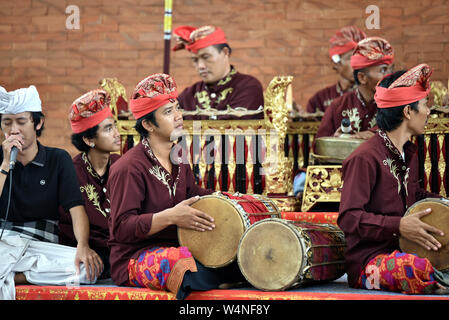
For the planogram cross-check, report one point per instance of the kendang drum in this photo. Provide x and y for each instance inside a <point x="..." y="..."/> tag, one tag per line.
<point x="335" y="149"/>
<point x="233" y="214"/>
<point x="439" y="218"/>
<point x="277" y="254"/>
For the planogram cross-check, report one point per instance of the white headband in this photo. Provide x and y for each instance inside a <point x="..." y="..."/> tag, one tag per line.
<point x="20" y="100"/>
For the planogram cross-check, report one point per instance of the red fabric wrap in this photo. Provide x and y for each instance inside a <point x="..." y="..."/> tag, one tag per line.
<point x="360" y="62"/>
<point x="412" y="86"/>
<point x="252" y="206"/>
<point x="370" y="52"/>
<point x="142" y="106"/>
<point x="342" y="49"/>
<point x="82" y="124"/>
<point x="389" y="98"/>
<point x="345" y="39"/>
<point x="195" y="39"/>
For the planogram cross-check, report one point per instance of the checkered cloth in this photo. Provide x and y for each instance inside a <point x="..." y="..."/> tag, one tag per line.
<point x="42" y="230"/>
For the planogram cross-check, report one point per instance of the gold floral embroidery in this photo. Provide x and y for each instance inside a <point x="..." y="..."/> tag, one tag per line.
<point x="392" y="163"/>
<point x="354" y="117"/>
<point x="328" y="102"/>
<point x="389" y="144"/>
<point x="394" y="171"/>
<point x="89" y="167"/>
<point x="92" y="196"/>
<point x="224" y="94"/>
<point x="406" y="181"/>
<point x="89" y="189"/>
<point x="159" y="172"/>
<point x="164" y="177"/>
<point x="228" y="78"/>
<point x="203" y="99"/>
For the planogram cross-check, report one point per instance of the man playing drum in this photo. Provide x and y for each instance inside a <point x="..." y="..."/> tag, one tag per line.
<point x="371" y="61"/>
<point x="341" y="47"/>
<point x="151" y="190"/>
<point x="380" y="183"/>
<point x="221" y="88"/>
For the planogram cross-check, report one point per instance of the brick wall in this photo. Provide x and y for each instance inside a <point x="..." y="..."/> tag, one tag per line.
<point x="123" y="39"/>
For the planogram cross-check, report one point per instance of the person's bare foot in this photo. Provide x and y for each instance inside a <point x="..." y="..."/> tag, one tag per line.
<point x="19" y="278"/>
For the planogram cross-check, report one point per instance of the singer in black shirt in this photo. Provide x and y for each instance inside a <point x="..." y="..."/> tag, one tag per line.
<point x="41" y="186"/>
<point x="43" y="179"/>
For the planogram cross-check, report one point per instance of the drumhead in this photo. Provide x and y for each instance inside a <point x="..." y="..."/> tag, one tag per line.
<point x="439" y="218"/>
<point x="216" y="248"/>
<point x="270" y="255"/>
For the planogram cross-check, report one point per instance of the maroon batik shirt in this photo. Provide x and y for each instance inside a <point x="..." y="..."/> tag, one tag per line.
<point x="140" y="187"/>
<point x="236" y="91"/>
<point x="352" y="106"/>
<point x="97" y="205"/>
<point x="322" y="99"/>
<point x="378" y="187"/>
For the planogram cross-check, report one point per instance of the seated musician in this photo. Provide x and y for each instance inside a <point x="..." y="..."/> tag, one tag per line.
<point x="380" y="183"/>
<point x="95" y="134"/>
<point x="341" y="47"/>
<point x="151" y="190"/>
<point x="372" y="59"/>
<point x="221" y="88"/>
<point x="42" y="180"/>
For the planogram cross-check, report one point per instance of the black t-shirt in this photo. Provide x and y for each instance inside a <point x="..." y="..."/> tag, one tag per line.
<point x="40" y="187"/>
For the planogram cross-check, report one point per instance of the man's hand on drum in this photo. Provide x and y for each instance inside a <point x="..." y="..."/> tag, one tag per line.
<point x="184" y="216"/>
<point x="412" y="228"/>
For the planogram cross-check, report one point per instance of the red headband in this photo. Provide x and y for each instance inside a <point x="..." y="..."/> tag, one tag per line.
<point x="89" y="110"/>
<point x="82" y="124"/>
<point x="389" y="98"/>
<point x="371" y="52"/>
<point x="410" y="87"/>
<point x="342" y="49"/>
<point x="345" y="40"/>
<point x="195" y="39"/>
<point x="360" y="62"/>
<point x="142" y="106"/>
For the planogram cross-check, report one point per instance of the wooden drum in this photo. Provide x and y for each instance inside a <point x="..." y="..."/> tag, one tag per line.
<point x="277" y="254"/>
<point x="439" y="218"/>
<point x="233" y="214"/>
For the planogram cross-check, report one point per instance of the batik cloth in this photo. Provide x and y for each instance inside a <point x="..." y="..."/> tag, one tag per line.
<point x="152" y="93"/>
<point x="398" y="271"/>
<point x="194" y="39"/>
<point x="412" y="86"/>
<point x="371" y="52"/>
<point x="161" y="268"/>
<point x="89" y="110"/>
<point x="344" y="40"/>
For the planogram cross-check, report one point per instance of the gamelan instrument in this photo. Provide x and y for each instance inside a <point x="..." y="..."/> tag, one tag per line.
<point x="277" y="254"/>
<point x="233" y="214"/>
<point x="439" y="218"/>
<point x="335" y="149"/>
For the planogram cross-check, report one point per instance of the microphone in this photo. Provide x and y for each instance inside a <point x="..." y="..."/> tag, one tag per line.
<point x="13" y="158"/>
